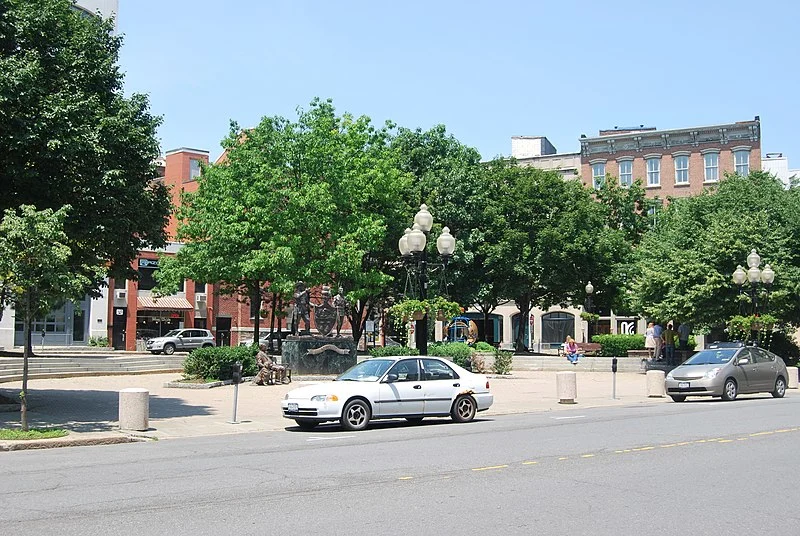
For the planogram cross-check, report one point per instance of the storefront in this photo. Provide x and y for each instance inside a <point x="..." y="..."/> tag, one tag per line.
<point x="65" y="326"/>
<point x="157" y="316"/>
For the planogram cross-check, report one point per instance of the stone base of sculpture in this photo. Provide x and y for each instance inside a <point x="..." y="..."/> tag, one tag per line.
<point x="313" y="354"/>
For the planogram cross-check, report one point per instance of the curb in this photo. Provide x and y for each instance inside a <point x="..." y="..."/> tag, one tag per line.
<point x="8" y="446"/>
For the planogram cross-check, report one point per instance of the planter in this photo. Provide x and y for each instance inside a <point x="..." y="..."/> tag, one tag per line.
<point x="418" y="315"/>
<point x="441" y="316"/>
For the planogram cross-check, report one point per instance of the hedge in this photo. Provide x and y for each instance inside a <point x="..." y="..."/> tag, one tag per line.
<point x="459" y="353"/>
<point x="214" y="363"/>
<point x="618" y="345"/>
<point x="392" y="351"/>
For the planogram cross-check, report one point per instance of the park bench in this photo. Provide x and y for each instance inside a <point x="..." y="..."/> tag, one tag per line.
<point x="584" y="348"/>
<point x="273" y="375"/>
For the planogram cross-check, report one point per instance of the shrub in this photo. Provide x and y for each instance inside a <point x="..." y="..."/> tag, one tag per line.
<point x="214" y="363"/>
<point x="459" y="353"/>
<point x="98" y="341"/>
<point x="391" y="351"/>
<point x="784" y="346"/>
<point x="618" y="345"/>
<point x="483" y="346"/>
<point x="502" y="361"/>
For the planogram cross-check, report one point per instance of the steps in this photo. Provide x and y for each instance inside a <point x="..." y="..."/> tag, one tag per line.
<point x="68" y="366"/>
<point x="585" y="364"/>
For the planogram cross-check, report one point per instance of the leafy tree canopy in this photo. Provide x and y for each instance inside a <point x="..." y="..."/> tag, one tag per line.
<point x="68" y="135"/>
<point x="683" y="267"/>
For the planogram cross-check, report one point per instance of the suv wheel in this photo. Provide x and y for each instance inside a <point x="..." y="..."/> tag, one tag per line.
<point x="169" y="348"/>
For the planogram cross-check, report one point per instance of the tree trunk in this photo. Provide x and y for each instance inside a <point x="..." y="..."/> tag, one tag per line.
<point x="485" y="324"/>
<point x="23" y="395"/>
<point x="524" y="305"/>
<point x="255" y="305"/>
<point x="274" y="302"/>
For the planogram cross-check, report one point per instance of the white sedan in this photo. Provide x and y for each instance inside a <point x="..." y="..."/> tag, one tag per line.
<point x="390" y="388"/>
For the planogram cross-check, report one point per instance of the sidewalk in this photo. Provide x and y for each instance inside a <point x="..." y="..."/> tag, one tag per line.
<point x="88" y="406"/>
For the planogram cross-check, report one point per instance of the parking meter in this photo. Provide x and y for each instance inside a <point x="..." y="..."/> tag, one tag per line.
<point x="236" y="372"/>
<point x="236" y="376"/>
<point x="614" y="378"/>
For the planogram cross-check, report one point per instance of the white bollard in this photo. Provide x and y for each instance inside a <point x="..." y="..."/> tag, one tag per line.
<point x="134" y="409"/>
<point x="792" y="382"/>
<point x="567" y="385"/>
<point x="655" y="383"/>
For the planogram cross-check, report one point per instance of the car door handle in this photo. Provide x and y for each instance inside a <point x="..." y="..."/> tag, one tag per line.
<point x="456" y="385"/>
<point x="417" y="387"/>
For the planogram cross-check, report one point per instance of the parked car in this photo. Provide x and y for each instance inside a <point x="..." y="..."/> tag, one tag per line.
<point x="264" y="339"/>
<point x="390" y="388"/>
<point x="180" y="340"/>
<point x="727" y="370"/>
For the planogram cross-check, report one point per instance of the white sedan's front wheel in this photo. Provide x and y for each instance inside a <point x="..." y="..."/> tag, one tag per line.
<point x="356" y="415"/>
<point x="464" y="409"/>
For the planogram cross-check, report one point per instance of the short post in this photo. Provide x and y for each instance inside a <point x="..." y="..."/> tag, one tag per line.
<point x="236" y="375"/>
<point x="567" y="386"/>
<point x="43" y="335"/>
<point x="134" y="409"/>
<point x="655" y="384"/>
<point x="614" y="378"/>
<point x="793" y="372"/>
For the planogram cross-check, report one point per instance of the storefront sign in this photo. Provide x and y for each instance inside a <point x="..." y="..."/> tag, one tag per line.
<point x="148" y="263"/>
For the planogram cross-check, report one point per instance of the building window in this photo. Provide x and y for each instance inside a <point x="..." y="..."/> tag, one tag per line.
<point x="653" y="171"/>
<point x="711" y="161"/>
<point x="194" y="169"/>
<point x="741" y="161"/>
<point x="598" y="174"/>
<point x="626" y="173"/>
<point x="199" y="288"/>
<point x="681" y="170"/>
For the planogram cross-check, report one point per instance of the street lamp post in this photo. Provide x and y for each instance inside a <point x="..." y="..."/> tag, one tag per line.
<point x="755" y="277"/>
<point x="412" y="247"/>
<point x="588" y="307"/>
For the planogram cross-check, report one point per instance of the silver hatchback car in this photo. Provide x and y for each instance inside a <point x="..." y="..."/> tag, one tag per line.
<point x="180" y="340"/>
<point x="726" y="370"/>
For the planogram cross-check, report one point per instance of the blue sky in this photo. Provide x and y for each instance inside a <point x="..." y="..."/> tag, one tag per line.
<point x="486" y="70"/>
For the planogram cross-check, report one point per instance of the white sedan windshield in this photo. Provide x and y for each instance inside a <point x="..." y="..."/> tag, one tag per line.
<point x="711" y="357"/>
<point x="370" y="370"/>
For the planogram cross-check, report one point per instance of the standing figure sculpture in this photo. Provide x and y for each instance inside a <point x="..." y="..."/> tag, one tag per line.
<point x="302" y="308"/>
<point x="340" y="303"/>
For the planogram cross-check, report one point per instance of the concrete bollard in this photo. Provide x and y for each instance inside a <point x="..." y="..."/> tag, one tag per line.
<point x="792" y="382"/>
<point x="655" y="383"/>
<point x="567" y="385"/>
<point x="134" y="409"/>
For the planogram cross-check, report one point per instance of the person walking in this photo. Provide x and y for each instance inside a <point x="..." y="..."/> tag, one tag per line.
<point x="668" y="337"/>
<point x="650" y="339"/>
<point x="657" y="332"/>
<point x="684" y="330"/>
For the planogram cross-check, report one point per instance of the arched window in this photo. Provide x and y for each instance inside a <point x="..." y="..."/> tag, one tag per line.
<point x="556" y="326"/>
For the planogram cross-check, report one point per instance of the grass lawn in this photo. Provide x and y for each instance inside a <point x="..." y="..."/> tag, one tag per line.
<point x="7" y="434"/>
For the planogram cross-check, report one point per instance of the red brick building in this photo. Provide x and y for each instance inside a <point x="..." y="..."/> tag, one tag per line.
<point x="672" y="163"/>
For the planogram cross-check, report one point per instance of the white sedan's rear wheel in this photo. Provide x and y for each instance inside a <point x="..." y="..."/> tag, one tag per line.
<point x="464" y="409"/>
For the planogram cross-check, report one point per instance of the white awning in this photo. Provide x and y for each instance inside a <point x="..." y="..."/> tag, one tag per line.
<point x="165" y="303"/>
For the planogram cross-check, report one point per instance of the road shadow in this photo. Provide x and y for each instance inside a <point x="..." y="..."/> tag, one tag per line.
<point x="387" y="424"/>
<point x="88" y="411"/>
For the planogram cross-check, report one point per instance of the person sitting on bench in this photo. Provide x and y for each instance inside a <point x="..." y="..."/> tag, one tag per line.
<point x="267" y="366"/>
<point x="571" y="350"/>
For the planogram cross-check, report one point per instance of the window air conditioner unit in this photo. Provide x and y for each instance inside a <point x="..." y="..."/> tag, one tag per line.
<point x="200" y="298"/>
<point x="120" y="294"/>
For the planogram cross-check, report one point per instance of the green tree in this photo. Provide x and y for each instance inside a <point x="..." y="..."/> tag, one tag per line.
<point x="683" y="266"/>
<point x="69" y="135"/>
<point x="317" y="199"/>
<point x="36" y="273"/>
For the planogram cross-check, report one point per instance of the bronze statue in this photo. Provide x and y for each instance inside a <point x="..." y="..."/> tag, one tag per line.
<point x="302" y="308"/>
<point x="340" y="304"/>
<point x="324" y="313"/>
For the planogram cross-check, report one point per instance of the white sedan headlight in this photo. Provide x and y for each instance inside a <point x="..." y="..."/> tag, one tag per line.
<point x="712" y="373"/>
<point x="669" y="376"/>
<point x="324" y="398"/>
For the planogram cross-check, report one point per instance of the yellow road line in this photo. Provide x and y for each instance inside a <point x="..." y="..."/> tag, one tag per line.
<point x="529" y="463"/>
<point x="642" y="448"/>
<point x="405" y="478"/>
<point x="490" y="468"/>
<point x="587" y="455"/>
<point x="563" y="458"/>
<point x="669" y="445"/>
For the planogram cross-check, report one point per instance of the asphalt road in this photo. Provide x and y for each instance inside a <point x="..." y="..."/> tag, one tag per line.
<point x="701" y="467"/>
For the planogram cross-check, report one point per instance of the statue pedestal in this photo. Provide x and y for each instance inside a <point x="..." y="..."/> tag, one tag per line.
<point x="309" y="354"/>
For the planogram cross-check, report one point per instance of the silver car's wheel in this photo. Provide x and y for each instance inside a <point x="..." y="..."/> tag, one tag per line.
<point x="169" y="348"/>
<point x="464" y="409"/>
<point x="780" y="388"/>
<point x="730" y="390"/>
<point x="356" y="415"/>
